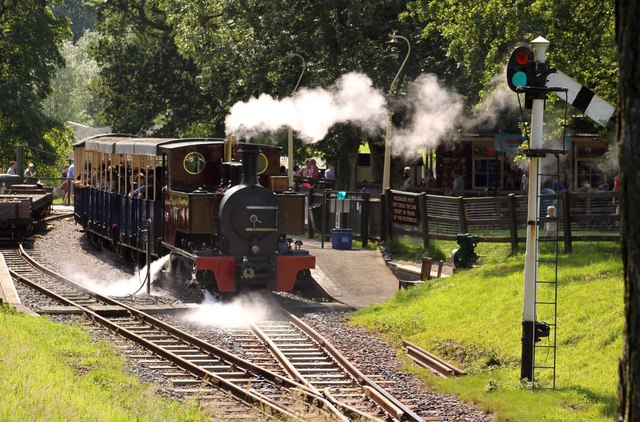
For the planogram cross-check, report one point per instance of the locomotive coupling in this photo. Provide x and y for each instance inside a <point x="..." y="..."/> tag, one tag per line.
<point x="248" y="272"/>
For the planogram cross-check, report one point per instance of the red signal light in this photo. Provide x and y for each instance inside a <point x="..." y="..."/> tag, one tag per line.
<point x="522" y="57"/>
<point x="518" y="68"/>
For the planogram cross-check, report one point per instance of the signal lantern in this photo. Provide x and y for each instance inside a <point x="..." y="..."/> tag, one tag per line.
<point x="519" y="68"/>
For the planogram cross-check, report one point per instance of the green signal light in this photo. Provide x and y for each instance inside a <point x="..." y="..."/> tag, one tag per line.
<point x="519" y="79"/>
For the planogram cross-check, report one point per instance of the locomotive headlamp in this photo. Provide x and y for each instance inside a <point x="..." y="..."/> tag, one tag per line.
<point x="255" y="249"/>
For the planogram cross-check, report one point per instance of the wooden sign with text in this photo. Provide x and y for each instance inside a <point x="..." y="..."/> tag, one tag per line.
<point x="405" y="209"/>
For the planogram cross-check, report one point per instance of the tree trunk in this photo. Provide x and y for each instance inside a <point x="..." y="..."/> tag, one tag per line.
<point x="628" y="36"/>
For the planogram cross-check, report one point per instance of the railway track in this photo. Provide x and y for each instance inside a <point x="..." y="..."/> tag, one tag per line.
<point x="291" y="371"/>
<point x="303" y="355"/>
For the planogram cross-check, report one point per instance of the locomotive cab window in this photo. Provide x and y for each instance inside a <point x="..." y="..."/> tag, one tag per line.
<point x="194" y="163"/>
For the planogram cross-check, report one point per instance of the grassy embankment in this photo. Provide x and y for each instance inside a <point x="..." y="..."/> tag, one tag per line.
<point x="474" y="320"/>
<point x="53" y="372"/>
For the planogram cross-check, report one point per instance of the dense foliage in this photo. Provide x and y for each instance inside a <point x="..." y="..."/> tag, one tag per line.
<point x="30" y="36"/>
<point x="176" y="67"/>
<point x="481" y="35"/>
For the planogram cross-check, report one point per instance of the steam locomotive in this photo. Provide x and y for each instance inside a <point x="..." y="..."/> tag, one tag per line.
<point x="218" y="207"/>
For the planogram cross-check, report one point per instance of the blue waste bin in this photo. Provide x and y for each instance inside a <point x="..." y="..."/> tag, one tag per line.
<point x="341" y="238"/>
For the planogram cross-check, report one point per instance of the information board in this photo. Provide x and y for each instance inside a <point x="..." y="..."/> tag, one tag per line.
<point x="405" y="209"/>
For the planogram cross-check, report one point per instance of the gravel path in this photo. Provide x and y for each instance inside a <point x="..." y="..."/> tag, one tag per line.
<point x="65" y="248"/>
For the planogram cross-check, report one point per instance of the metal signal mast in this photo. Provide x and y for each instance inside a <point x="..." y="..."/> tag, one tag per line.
<point x="529" y="73"/>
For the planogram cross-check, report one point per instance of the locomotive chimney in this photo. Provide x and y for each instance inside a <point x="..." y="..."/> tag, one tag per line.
<point x="249" y="163"/>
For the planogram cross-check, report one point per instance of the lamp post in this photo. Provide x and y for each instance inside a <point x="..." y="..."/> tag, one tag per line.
<point x="386" y="175"/>
<point x="290" y="139"/>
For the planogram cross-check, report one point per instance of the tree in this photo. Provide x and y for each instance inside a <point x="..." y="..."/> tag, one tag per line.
<point x="242" y="48"/>
<point x="145" y="85"/>
<point x="628" y="16"/>
<point x="71" y="98"/>
<point x="481" y="35"/>
<point x="29" y="38"/>
<point x="82" y="16"/>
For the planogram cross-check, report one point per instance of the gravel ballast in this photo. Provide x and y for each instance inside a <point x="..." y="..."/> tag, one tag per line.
<point x="66" y="249"/>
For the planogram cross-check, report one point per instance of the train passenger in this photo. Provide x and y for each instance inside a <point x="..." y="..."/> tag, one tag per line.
<point x="112" y="179"/>
<point x="140" y="191"/>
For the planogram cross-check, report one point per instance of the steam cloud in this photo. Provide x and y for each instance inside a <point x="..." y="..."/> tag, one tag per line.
<point x="246" y="308"/>
<point x="434" y="113"/>
<point x="434" y="110"/>
<point x="312" y="112"/>
<point x="123" y="287"/>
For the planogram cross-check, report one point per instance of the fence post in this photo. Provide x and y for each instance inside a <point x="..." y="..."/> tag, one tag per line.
<point x="388" y="213"/>
<point x="323" y="216"/>
<point x="383" y="216"/>
<point x="364" y="219"/>
<point x="422" y="205"/>
<point x="513" y="227"/>
<point x="310" y="213"/>
<point x="464" y="224"/>
<point x="566" y="221"/>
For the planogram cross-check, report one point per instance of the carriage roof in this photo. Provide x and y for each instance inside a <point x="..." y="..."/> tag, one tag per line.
<point x="130" y="144"/>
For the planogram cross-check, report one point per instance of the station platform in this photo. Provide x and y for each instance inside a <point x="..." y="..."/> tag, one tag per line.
<point x="358" y="277"/>
<point x="8" y="293"/>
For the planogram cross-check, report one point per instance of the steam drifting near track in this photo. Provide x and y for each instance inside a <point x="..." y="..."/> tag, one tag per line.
<point x="434" y="111"/>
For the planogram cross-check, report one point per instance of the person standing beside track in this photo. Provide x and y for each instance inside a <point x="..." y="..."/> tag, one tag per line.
<point x="12" y="167"/>
<point x="70" y="177"/>
<point x="65" y="183"/>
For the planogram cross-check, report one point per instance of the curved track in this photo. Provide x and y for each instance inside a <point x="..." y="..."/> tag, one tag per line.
<point x="237" y="384"/>
<point x="295" y="372"/>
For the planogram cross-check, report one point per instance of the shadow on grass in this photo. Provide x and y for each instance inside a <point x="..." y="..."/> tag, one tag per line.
<point x="609" y="408"/>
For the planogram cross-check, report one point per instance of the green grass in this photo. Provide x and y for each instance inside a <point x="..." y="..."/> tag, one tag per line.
<point x="474" y="319"/>
<point x="406" y="248"/>
<point x="53" y="372"/>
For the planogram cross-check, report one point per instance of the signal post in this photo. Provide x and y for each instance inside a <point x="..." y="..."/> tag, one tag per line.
<point x="522" y="77"/>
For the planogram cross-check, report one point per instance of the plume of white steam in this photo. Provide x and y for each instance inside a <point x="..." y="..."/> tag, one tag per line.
<point x="122" y="287"/>
<point x="312" y="112"/>
<point x="497" y="101"/>
<point x="434" y="111"/>
<point x="246" y="308"/>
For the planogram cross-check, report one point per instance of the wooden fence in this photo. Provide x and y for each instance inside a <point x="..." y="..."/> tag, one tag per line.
<point x="581" y="216"/>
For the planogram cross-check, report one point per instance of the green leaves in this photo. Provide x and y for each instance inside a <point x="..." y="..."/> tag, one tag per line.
<point x="29" y="39"/>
